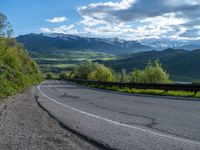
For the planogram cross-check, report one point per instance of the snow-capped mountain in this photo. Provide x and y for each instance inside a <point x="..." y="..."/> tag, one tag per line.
<point x="44" y="42"/>
<point x="57" y="41"/>
<point x="166" y="43"/>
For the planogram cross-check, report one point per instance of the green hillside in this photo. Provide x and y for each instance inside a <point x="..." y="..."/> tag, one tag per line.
<point x="182" y="65"/>
<point x="17" y="70"/>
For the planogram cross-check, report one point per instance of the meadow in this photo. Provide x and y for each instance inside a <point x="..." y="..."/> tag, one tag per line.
<point x="60" y="61"/>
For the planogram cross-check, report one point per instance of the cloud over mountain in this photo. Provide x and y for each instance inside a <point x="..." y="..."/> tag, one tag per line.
<point x="139" y="19"/>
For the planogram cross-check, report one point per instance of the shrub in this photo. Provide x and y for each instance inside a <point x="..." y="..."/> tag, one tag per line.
<point x="93" y="71"/>
<point x="153" y="73"/>
<point x="49" y="75"/>
<point x="64" y="76"/>
<point x="123" y="76"/>
<point x="17" y="70"/>
<point x="101" y="73"/>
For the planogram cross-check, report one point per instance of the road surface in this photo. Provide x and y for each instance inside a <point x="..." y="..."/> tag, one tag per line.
<point x="124" y="121"/>
<point x="24" y="125"/>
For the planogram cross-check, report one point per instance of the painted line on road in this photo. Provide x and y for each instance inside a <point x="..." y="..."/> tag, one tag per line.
<point x="115" y="122"/>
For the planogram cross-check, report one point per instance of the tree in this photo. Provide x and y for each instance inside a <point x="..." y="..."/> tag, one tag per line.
<point x="101" y="73"/>
<point x="5" y="27"/>
<point x="83" y="70"/>
<point x="153" y="73"/>
<point x="93" y="71"/>
<point x="64" y="75"/>
<point x="49" y="75"/>
<point x="123" y="76"/>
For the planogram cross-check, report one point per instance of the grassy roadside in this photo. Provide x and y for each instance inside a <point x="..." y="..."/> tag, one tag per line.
<point x="148" y="91"/>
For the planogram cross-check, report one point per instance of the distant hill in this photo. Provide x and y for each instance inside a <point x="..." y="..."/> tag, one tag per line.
<point x="44" y="43"/>
<point x="182" y="65"/>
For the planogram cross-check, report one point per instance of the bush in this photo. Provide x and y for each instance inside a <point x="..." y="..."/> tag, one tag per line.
<point x="123" y="76"/>
<point x="83" y="70"/>
<point x="153" y="73"/>
<point x="49" y="75"/>
<point x="93" y="71"/>
<point x="64" y="76"/>
<point x="17" y="70"/>
<point x="101" y="73"/>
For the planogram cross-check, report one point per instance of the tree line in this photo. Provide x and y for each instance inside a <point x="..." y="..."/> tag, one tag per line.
<point x="87" y="70"/>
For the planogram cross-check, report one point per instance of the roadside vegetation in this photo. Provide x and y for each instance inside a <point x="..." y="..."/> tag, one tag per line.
<point x="17" y="70"/>
<point x="152" y="73"/>
<point x="149" y="91"/>
<point x="93" y="71"/>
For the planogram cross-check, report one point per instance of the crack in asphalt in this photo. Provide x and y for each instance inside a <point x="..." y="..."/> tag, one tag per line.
<point x="150" y="125"/>
<point x="69" y="96"/>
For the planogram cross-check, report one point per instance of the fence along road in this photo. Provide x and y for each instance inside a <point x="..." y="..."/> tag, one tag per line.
<point x="123" y="121"/>
<point x="175" y="87"/>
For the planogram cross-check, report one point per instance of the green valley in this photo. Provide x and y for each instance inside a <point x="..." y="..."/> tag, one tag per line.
<point x="58" y="61"/>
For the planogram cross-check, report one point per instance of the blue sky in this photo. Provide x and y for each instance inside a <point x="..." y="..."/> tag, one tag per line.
<point x="29" y="15"/>
<point x="127" y="19"/>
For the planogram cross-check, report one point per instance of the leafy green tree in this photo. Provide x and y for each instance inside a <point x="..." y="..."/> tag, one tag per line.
<point x="83" y="70"/>
<point x="64" y="75"/>
<point x="5" y="27"/>
<point x="93" y="71"/>
<point x="101" y="73"/>
<point x="17" y="70"/>
<point x="153" y="73"/>
<point x="49" y="75"/>
<point x="123" y="76"/>
<point x="138" y="76"/>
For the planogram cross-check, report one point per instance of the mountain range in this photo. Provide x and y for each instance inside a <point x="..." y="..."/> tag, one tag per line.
<point x="51" y="42"/>
<point x="180" y="61"/>
<point x="167" y="43"/>
<point x="56" y="41"/>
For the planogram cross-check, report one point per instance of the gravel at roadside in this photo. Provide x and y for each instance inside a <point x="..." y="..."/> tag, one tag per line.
<point x="25" y="125"/>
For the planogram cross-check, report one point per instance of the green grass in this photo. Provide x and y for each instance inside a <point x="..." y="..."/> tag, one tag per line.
<point x="67" y="60"/>
<point x="149" y="91"/>
<point x="65" y="65"/>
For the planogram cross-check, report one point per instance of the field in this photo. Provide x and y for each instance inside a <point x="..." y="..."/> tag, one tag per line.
<point x="66" y="60"/>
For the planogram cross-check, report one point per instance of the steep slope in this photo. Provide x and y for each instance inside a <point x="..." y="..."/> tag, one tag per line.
<point x="47" y="43"/>
<point x="17" y="70"/>
<point x="182" y="65"/>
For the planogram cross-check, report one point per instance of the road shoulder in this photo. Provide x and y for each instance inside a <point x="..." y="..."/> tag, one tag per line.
<point x="25" y="125"/>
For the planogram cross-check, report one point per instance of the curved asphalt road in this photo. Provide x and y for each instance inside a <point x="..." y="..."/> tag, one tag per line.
<point x="124" y="121"/>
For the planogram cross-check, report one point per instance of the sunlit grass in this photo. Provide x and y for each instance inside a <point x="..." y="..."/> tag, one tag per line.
<point x="149" y="91"/>
<point x="67" y="60"/>
<point x="64" y="65"/>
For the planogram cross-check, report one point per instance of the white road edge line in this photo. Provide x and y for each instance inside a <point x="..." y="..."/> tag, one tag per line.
<point x="115" y="122"/>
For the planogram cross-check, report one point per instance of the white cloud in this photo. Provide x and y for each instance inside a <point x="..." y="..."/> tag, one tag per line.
<point x="61" y="29"/>
<point x="137" y="20"/>
<point x="57" y="19"/>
